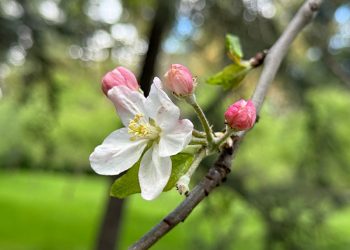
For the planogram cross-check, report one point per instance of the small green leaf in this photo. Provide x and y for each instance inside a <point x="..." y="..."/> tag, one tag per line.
<point x="129" y="184"/>
<point x="234" y="48"/>
<point x="230" y="77"/>
<point x="181" y="163"/>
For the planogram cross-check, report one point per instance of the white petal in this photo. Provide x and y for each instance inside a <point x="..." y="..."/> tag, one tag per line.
<point x="127" y="102"/>
<point x="154" y="173"/>
<point x="160" y="108"/>
<point x="175" y="140"/>
<point x="117" y="153"/>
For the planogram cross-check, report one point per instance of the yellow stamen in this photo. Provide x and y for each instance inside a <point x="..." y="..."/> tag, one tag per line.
<point x="138" y="129"/>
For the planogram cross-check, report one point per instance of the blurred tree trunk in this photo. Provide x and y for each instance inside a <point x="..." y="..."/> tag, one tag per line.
<point x="111" y="222"/>
<point x="164" y="16"/>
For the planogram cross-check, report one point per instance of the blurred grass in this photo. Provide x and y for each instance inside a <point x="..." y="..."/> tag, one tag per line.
<point x="60" y="211"/>
<point x="49" y="211"/>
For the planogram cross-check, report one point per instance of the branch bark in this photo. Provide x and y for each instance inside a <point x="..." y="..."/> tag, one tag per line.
<point x="218" y="173"/>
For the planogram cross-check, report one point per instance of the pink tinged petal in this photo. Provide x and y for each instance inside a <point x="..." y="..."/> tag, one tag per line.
<point x="175" y="140"/>
<point x="241" y="115"/>
<point x="179" y="80"/>
<point x="117" y="153"/>
<point x="128" y="103"/>
<point x="118" y="77"/>
<point x="129" y="78"/>
<point x="160" y="108"/>
<point x="154" y="173"/>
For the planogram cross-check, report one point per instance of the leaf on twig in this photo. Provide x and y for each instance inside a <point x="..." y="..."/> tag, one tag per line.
<point x="232" y="75"/>
<point x="234" y="48"/>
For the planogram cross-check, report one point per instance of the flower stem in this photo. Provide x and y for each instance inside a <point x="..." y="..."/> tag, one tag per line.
<point x="198" y="133"/>
<point x="182" y="184"/>
<point x="201" y="141"/>
<point x="225" y="136"/>
<point x="198" y="159"/>
<point x="203" y="119"/>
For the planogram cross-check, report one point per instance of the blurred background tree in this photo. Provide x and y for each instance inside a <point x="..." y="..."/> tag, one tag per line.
<point x="290" y="184"/>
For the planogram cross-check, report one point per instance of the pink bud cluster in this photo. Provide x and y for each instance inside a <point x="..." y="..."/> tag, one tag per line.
<point x="179" y="80"/>
<point x="120" y="76"/>
<point x="241" y="115"/>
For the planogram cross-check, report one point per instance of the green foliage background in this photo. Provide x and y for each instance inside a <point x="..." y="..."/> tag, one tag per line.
<point x="289" y="188"/>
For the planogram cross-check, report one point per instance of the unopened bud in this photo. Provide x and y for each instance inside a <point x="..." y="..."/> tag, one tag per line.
<point x="120" y="76"/>
<point x="179" y="80"/>
<point x="241" y="115"/>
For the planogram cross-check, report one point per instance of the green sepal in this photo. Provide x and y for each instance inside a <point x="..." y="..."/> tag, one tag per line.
<point x="231" y="76"/>
<point x="129" y="183"/>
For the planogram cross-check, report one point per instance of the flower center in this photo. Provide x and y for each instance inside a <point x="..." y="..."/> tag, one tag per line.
<point x="139" y="129"/>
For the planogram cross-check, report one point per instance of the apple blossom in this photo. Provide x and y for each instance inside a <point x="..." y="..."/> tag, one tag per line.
<point x="152" y="132"/>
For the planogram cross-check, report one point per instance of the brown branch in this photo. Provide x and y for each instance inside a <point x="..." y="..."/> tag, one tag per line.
<point x="280" y="48"/>
<point x="213" y="178"/>
<point x="222" y="166"/>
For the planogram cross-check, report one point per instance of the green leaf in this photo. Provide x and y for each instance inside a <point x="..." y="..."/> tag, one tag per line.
<point x="129" y="184"/>
<point x="231" y="76"/>
<point x="234" y="48"/>
<point x="181" y="163"/>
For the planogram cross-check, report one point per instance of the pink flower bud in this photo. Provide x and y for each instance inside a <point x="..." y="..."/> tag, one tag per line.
<point x="179" y="80"/>
<point x="120" y="76"/>
<point x="241" y="115"/>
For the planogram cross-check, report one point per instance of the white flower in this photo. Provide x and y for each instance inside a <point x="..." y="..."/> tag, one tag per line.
<point x="152" y="121"/>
